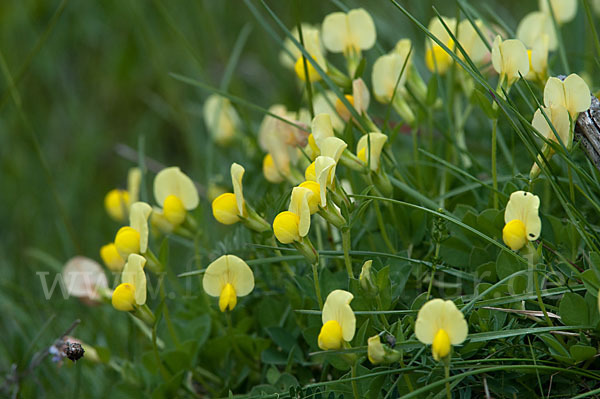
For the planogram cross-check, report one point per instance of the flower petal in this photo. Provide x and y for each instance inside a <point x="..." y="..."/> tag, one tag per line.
<point x="138" y="219"/>
<point x="361" y="28"/>
<point x="577" y="94"/>
<point x="321" y="128"/>
<point x="374" y="142"/>
<point x="324" y="172"/>
<point x="133" y="273"/>
<point x="334" y="32"/>
<point x="299" y="204"/>
<point x="333" y="147"/>
<point x="237" y="173"/>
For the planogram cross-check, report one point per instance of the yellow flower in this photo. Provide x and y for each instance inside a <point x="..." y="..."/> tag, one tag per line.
<point x="286" y="227"/>
<point x="522" y="220"/>
<point x="310" y="173"/>
<point x="375" y="350"/>
<point x="299" y="204"/>
<point x="281" y="139"/>
<point x="134" y="178"/>
<point x="436" y="58"/>
<point x="471" y="42"/>
<point x="291" y="56"/>
<point x="534" y="27"/>
<point x="339" y="322"/>
<point x="221" y="119"/>
<point x="538" y="59"/>
<point x="321" y="129"/>
<point x="127" y="241"/>
<point x="228" y="208"/>
<point x="228" y="278"/>
<point x="132" y="290"/>
<point x="111" y="258"/>
<point x="441" y="324"/>
<point x="313" y="75"/>
<point x="326" y="103"/>
<point x="348" y="32"/>
<point x="509" y="58"/>
<point x="359" y="99"/>
<point x="116" y="203"/>
<point x="572" y="93"/>
<point x="174" y="186"/>
<point x="313" y="200"/>
<point x="369" y="149"/>
<point x="325" y="175"/>
<point x="270" y="170"/>
<point x="559" y="117"/>
<point x="123" y="297"/>
<point x="564" y="10"/>
<point x="386" y="72"/>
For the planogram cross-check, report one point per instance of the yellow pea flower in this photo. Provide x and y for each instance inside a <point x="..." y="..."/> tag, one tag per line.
<point x="321" y="129"/>
<point x="299" y="204"/>
<point x="339" y="322"/>
<point x="325" y="175"/>
<point x="159" y="221"/>
<point x="270" y="170"/>
<point x="471" y="42"/>
<point x="116" y="203"/>
<point x="441" y="324"/>
<point x="348" y="33"/>
<point x="313" y="201"/>
<point x="123" y="297"/>
<point x="386" y="72"/>
<point x="228" y="278"/>
<point x="291" y="57"/>
<point x="369" y="149"/>
<point x="326" y="103"/>
<point x="522" y="220"/>
<point x="281" y="139"/>
<point x="111" y="257"/>
<point x="134" y="238"/>
<point x="375" y="350"/>
<point x="538" y="60"/>
<point x="534" y="26"/>
<point x="229" y="207"/>
<point x="221" y="119"/>
<point x="436" y="58"/>
<point x="559" y="117"/>
<point x="176" y="193"/>
<point x="286" y="227"/>
<point x="132" y="290"/>
<point x="359" y="99"/>
<point x="572" y="93"/>
<point x="509" y="58"/>
<point x="310" y="173"/>
<point x="564" y="10"/>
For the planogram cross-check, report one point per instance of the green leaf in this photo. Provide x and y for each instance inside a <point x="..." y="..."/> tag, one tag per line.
<point x="573" y="309"/>
<point x="582" y="352"/>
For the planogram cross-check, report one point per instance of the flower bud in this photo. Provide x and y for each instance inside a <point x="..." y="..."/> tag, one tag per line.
<point x="366" y="279"/>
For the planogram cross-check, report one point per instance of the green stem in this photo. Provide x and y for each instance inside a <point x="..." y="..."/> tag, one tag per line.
<point x="161" y="367"/>
<point x="315" y="269"/>
<point x="166" y="314"/>
<point x="494" y="171"/>
<point x="447" y="375"/>
<point x="346" y="246"/>
<point x="382" y="229"/>
<point x="354" y="385"/>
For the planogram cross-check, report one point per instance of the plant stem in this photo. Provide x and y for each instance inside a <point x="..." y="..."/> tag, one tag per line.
<point x="354" y="386"/>
<point x="346" y="244"/>
<point x="494" y="171"/>
<point x="382" y="229"/>
<point x="315" y="269"/>
<point x="447" y="375"/>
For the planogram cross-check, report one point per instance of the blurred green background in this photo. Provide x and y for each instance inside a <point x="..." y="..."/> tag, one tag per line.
<point x="89" y="75"/>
